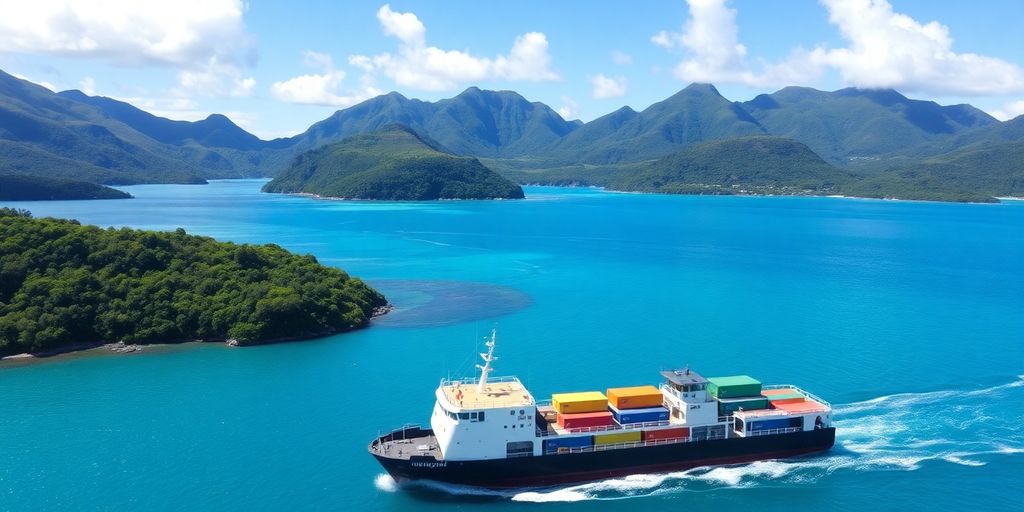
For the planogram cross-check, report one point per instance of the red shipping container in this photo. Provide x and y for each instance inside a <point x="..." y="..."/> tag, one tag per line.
<point x="585" y="419"/>
<point x="666" y="433"/>
<point x="794" y="400"/>
<point x="804" y="407"/>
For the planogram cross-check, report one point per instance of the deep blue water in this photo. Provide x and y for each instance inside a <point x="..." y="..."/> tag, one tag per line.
<point x="908" y="316"/>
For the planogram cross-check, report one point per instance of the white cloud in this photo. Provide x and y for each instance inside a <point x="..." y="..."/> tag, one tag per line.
<point x="43" y="83"/>
<point x="891" y="49"/>
<point x="570" y="109"/>
<point x="88" y="85"/>
<point x="621" y="58"/>
<point x="184" y="109"/>
<point x="321" y="88"/>
<point x="885" y="49"/>
<point x="419" y="66"/>
<point x="1009" y="111"/>
<point x="608" y="87"/>
<point x="243" y="87"/>
<point x="205" y="39"/>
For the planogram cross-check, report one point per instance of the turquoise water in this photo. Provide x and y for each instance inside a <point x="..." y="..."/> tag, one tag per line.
<point x="909" y="317"/>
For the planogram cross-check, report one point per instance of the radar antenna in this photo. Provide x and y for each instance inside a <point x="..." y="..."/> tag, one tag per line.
<point x="485" y="370"/>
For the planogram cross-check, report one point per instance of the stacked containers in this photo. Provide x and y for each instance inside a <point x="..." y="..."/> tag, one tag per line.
<point x="635" y="397"/>
<point x="667" y="434"/>
<point x="581" y="410"/>
<point x="555" y="444"/>
<point x="618" y="437"/>
<point x="585" y="420"/>
<point x="639" y="415"/>
<point x="784" y="396"/>
<point x="636" y="404"/>
<point x="737" y="392"/>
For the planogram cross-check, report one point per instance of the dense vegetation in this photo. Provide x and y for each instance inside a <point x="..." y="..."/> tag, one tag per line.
<point x="63" y="284"/>
<point x="393" y="163"/>
<point x="19" y="187"/>
<point x="745" y="165"/>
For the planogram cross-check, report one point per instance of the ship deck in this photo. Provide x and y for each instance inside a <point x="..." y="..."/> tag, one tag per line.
<point x="498" y="393"/>
<point x="422" y="445"/>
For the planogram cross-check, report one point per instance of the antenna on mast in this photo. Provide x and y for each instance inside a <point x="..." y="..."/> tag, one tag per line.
<point x="485" y="370"/>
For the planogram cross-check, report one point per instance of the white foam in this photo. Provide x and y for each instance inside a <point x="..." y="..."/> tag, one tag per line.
<point x="385" y="483"/>
<point x="963" y="462"/>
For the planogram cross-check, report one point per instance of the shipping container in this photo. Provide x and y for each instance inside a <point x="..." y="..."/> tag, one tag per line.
<point x="585" y="419"/>
<point x="636" y="397"/>
<point x="734" y="386"/>
<point x="553" y="444"/>
<point x="778" y="391"/>
<point x="639" y="415"/>
<point x="787" y="399"/>
<point x="666" y="434"/>
<point x="574" y="403"/>
<point x="807" y="406"/>
<point x="618" y="437"/>
<point x="728" y="406"/>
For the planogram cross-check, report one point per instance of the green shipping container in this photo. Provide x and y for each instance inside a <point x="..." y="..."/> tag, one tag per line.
<point x="735" y="386"/>
<point x="729" y="406"/>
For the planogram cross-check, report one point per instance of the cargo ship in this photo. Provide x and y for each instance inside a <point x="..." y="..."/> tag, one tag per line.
<point x="490" y="432"/>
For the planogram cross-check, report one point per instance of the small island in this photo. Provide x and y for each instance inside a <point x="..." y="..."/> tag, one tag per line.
<point x="392" y="164"/>
<point x="20" y="187"/>
<point x="64" y="286"/>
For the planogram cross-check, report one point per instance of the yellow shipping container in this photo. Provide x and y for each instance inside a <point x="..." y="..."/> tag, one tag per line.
<point x="636" y="397"/>
<point x="574" y="403"/>
<point x="619" y="437"/>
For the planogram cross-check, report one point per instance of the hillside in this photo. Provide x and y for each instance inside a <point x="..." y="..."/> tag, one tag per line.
<point x="852" y="125"/>
<point x="19" y="187"/>
<point x="762" y="165"/>
<point x="696" y="114"/>
<point x="63" y="285"/>
<point x="393" y="163"/>
<point x="71" y="135"/>
<point x="475" y="122"/>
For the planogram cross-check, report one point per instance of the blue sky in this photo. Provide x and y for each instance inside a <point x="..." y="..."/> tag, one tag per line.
<point x="276" y="67"/>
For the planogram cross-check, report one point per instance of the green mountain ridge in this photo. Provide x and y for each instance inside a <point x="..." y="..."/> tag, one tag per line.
<point x="20" y="187"/>
<point x="393" y="163"/>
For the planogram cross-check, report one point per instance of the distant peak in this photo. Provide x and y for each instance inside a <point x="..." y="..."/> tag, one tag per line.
<point x="702" y="88"/>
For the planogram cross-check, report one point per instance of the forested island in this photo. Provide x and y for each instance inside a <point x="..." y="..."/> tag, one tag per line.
<point x="19" y="187"/>
<point x="65" y="286"/>
<point x="393" y="163"/>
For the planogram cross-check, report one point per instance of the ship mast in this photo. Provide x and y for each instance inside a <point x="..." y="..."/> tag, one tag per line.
<point x="485" y="370"/>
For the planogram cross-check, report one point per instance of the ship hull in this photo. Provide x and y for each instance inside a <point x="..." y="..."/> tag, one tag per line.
<point x="548" y="470"/>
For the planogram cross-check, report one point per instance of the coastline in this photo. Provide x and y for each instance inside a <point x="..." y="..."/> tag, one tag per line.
<point x="121" y="347"/>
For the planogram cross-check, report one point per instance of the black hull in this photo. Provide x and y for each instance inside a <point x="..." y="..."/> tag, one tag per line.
<point x="550" y="470"/>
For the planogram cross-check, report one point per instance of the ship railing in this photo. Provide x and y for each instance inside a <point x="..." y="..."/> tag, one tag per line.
<point x="473" y="380"/>
<point x="806" y="393"/>
<point x="773" y="431"/>
<point x="631" y="444"/>
<point x="605" y="428"/>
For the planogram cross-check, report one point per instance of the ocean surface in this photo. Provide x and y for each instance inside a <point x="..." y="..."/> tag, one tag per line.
<point x="907" y="316"/>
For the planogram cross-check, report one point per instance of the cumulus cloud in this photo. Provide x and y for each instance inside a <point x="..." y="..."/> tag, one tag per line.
<point x="419" y="66"/>
<point x="569" y="109"/>
<point x="1009" y="111"/>
<point x="206" y="39"/>
<point x="608" y="87"/>
<point x="891" y="49"/>
<point x="324" y="88"/>
<point x="884" y="49"/>
<point x="621" y="58"/>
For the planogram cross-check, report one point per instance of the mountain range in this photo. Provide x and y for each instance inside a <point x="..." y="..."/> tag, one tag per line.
<point x="889" y="143"/>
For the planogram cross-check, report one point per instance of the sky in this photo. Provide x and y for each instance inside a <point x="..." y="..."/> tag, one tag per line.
<point x="275" y="67"/>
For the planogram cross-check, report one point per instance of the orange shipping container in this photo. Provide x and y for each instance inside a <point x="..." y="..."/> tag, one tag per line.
<point x="792" y="400"/>
<point x="667" y="433"/>
<point x="636" y="397"/>
<point x="800" y="407"/>
<point x="780" y="391"/>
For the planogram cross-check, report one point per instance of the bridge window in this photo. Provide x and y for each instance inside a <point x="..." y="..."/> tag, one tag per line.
<point x="480" y="416"/>
<point x="463" y="415"/>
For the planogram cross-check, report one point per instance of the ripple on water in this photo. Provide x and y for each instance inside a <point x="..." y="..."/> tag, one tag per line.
<point x="429" y="303"/>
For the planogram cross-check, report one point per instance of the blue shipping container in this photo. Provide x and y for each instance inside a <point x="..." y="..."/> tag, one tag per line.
<point x="639" y="415"/>
<point x="769" y="424"/>
<point x="555" y="443"/>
